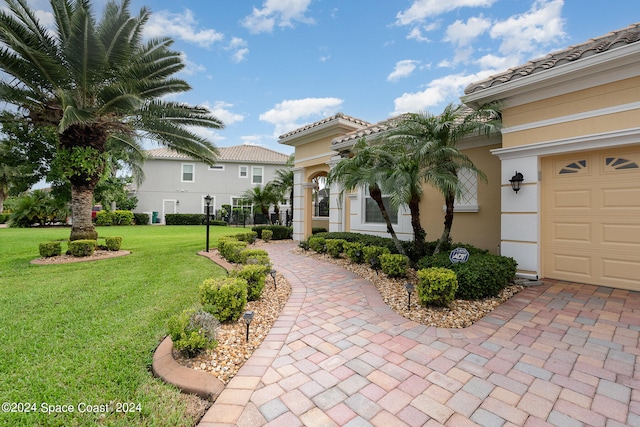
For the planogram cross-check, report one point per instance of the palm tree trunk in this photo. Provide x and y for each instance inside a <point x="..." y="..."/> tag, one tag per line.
<point x="418" y="232"/>
<point x="81" y="204"/>
<point x="376" y="195"/>
<point x="448" y="222"/>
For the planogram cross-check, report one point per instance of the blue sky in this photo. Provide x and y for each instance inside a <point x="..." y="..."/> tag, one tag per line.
<point x="266" y="67"/>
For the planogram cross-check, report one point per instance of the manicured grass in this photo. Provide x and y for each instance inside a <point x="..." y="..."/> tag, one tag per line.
<point x="84" y="333"/>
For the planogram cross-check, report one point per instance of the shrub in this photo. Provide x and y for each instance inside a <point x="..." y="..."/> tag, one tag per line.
<point x="81" y="248"/>
<point x="437" y="286"/>
<point x="354" y="251"/>
<point x="255" y="276"/>
<point x="141" y="218"/>
<point x="394" y="265"/>
<point x="122" y="217"/>
<point x="316" y="230"/>
<point x="334" y="247"/>
<point x="365" y="239"/>
<point x="218" y="222"/>
<point x="4" y="217"/>
<point x="247" y="254"/>
<point x="104" y="218"/>
<point x="193" y="331"/>
<point x="267" y="235"/>
<point x="372" y="255"/>
<point x="113" y="243"/>
<point x="280" y="232"/>
<point x="231" y="250"/>
<point x="483" y="275"/>
<point x="224" y="298"/>
<point x="184" y="219"/>
<point x="49" y="249"/>
<point x="304" y="245"/>
<point x="317" y="244"/>
<point x="249" y="237"/>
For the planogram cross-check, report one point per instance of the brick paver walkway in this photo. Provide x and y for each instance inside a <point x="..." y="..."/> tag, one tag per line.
<point x="560" y="354"/>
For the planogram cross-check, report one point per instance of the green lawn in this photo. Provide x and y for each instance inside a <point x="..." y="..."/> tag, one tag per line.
<point x="84" y="333"/>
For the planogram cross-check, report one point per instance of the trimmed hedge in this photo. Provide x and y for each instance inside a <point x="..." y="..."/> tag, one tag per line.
<point x="193" y="331"/>
<point x="141" y="218"/>
<point x="267" y="235"/>
<point x="394" y="265"/>
<point x="354" y="251"/>
<point x="49" y="249"/>
<point x="365" y="239"/>
<point x="81" y="248"/>
<point x="335" y="247"/>
<point x="318" y="244"/>
<point x="113" y="243"/>
<point x="230" y="250"/>
<point x="184" y="219"/>
<point x="255" y="275"/>
<point x="224" y="298"/>
<point x="117" y="217"/>
<point x="437" y="286"/>
<point x="280" y="232"/>
<point x="247" y="254"/>
<point x="372" y="255"/>
<point x="483" y="275"/>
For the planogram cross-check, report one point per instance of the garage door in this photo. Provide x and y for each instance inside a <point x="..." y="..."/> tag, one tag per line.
<point x="591" y="217"/>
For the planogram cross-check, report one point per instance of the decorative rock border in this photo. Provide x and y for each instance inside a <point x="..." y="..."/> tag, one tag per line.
<point x="188" y="380"/>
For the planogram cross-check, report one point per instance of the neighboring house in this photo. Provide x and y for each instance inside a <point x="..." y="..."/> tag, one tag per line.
<point x="175" y="183"/>
<point x="571" y="127"/>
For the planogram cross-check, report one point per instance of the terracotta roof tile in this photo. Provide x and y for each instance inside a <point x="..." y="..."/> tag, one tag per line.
<point x="337" y="116"/>
<point x="238" y="153"/>
<point x="612" y="40"/>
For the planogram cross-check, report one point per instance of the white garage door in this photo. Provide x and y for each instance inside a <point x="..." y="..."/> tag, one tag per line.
<point x="591" y="217"/>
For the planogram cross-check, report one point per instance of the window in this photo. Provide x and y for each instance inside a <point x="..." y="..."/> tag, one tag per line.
<point x="216" y="168"/>
<point x="256" y="174"/>
<point x="243" y="172"/>
<point x="372" y="214"/>
<point x="468" y="200"/>
<point x="188" y="172"/>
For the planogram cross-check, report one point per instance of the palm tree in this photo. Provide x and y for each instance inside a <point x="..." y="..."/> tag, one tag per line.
<point x="262" y="198"/>
<point x="434" y="139"/>
<point x="284" y="181"/>
<point x="100" y="86"/>
<point x="368" y="167"/>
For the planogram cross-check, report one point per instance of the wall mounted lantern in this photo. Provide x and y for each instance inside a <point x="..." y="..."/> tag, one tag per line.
<point x="247" y="317"/>
<point x="516" y="181"/>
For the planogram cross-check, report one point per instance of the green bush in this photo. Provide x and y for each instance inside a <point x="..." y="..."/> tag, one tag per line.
<point x="141" y="218"/>
<point x="184" y="219"/>
<point x="318" y="244"/>
<point x="304" y="245"/>
<point x="335" y="247"/>
<point x="113" y="243"/>
<point x="231" y="250"/>
<point x="365" y="239"/>
<point x="49" y="249"/>
<point x="247" y="254"/>
<point x="394" y="265"/>
<point x="316" y="230"/>
<point x="122" y="217"/>
<point x="249" y="237"/>
<point x="280" y="232"/>
<point x="267" y="235"/>
<point x="104" y="218"/>
<point x="218" y="222"/>
<point x="193" y="331"/>
<point x="437" y="286"/>
<point x="81" y="248"/>
<point x="372" y="255"/>
<point x="354" y="251"/>
<point x="4" y="217"/>
<point x="255" y="276"/>
<point x="483" y="275"/>
<point x="224" y="298"/>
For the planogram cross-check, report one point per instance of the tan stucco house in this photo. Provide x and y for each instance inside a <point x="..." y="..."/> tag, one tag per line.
<point x="571" y="128"/>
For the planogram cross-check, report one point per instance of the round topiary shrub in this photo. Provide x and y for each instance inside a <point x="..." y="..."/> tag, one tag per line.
<point x="224" y="298"/>
<point x="267" y="235"/>
<point x="81" y="248"/>
<point x="437" y="286"/>
<point x="113" y="243"/>
<point x="394" y="265"/>
<point x="255" y="275"/>
<point x="50" y="249"/>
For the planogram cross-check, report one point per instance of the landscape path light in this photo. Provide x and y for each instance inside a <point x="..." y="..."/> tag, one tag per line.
<point x="273" y="276"/>
<point x="247" y="317"/>
<point x="409" y="287"/>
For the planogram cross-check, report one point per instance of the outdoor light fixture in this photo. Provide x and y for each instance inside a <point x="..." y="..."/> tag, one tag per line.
<point x="207" y="200"/>
<point x="273" y="276"/>
<point x="247" y="317"/>
<point x="409" y="287"/>
<point x="515" y="181"/>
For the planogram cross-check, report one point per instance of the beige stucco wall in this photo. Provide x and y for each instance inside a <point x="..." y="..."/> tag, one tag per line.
<point x="554" y="109"/>
<point x="482" y="228"/>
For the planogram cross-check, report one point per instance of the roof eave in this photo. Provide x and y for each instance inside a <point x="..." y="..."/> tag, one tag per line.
<point x="613" y="65"/>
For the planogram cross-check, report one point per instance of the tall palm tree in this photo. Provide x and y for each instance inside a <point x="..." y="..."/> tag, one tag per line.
<point x="434" y="139"/>
<point x="100" y="85"/>
<point x="368" y="168"/>
<point x="284" y="179"/>
<point x="260" y="197"/>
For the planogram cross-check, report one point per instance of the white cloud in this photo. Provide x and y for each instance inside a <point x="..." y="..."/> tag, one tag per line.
<point x="222" y="110"/>
<point x="533" y="31"/>
<point x="239" y="48"/>
<point x="182" y="26"/>
<point x="463" y="34"/>
<point x="282" y="13"/>
<point x="403" y="69"/>
<point x="422" y="9"/>
<point x="293" y="113"/>
<point x="190" y="67"/>
<point x="438" y="92"/>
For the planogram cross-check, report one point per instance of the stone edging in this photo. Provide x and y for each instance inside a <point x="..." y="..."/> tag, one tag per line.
<point x="188" y="380"/>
